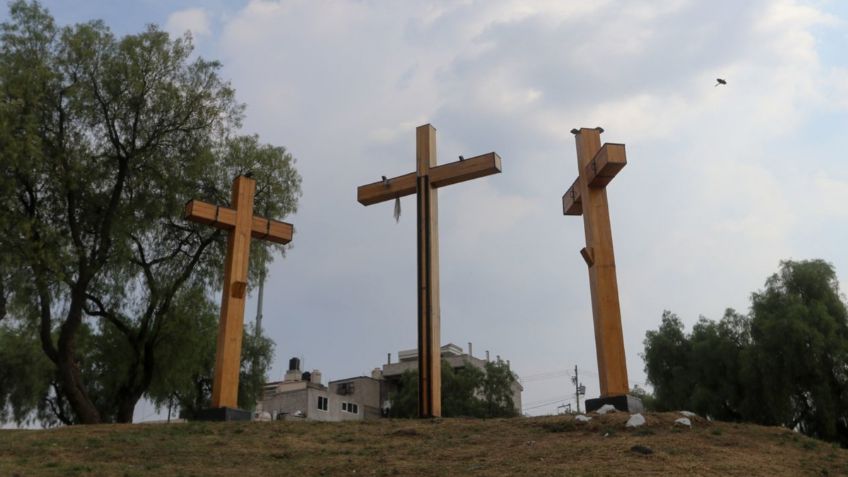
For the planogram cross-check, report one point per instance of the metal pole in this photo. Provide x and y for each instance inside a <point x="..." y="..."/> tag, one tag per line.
<point x="259" y="304"/>
<point x="577" y="388"/>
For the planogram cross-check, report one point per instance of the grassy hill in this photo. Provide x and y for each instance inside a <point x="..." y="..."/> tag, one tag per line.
<point x="556" y="445"/>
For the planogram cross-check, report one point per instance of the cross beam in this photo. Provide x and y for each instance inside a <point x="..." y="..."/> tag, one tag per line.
<point x="446" y="174"/>
<point x="225" y="218"/>
<point x="424" y="182"/>
<point x="599" y="172"/>
<point x="587" y="196"/>
<point x="242" y="225"/>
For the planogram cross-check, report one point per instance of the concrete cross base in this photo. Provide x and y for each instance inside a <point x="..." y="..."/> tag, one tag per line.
<point x="223" y="414"/>
<point x="624" y="403"/>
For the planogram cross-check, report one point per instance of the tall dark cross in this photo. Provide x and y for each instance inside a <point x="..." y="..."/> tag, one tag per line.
<point x="242" y="225"/>
<point x="596" y="167"/>
<point x="424" y="182"/>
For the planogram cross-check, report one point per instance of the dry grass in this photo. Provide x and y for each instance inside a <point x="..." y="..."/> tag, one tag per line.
<point x="449" y="447"/>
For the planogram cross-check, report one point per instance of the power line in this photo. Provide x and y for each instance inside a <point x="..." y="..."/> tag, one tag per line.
<point x="529" y="408"/>
<point x="546" y="400"/>
<point x="545" y="376"/>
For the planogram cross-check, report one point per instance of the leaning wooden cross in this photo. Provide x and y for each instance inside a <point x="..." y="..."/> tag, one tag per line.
<point x="597" y="166"/>
<point x="242" y="225"/>
<point x="424" y="181"/>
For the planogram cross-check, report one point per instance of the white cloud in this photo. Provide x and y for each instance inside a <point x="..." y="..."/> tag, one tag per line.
<point x="838" y="96"/>
<point x="829" y="197"/>
<point x="194" y="20"/>
<point x="704" y="211"/>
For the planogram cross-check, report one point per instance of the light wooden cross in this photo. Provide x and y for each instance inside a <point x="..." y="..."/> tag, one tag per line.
<point x="596" y="167"/>
<point x="424" y="181"/>
<point x="242" y="225"/>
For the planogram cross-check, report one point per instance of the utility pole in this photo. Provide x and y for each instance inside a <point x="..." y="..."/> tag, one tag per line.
<point x="258" y="329"/>
<point x="257" y="332"/>
<point x="579" y="388"/>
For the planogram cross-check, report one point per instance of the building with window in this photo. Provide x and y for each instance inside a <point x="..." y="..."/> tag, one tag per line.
<point x="301" y="395"/>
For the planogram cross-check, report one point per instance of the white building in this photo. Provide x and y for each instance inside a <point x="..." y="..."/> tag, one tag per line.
<point x="300" y="395"/>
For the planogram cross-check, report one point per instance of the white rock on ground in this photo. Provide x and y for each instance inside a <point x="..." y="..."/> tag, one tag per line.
<point x="683" y="421"/>
<point x="636" y="420"/>
<point x="605" y="409"/>
<point x="582" y="418"/>
<point x="688" y="413"/>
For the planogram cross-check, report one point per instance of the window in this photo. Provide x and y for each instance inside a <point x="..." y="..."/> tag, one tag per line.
<point x="344" y="406"/>
<point x="350" y="407"/>
<point x="322" y="403"/>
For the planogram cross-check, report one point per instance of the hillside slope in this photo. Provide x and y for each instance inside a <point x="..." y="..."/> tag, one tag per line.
<point x="556" y="445"/>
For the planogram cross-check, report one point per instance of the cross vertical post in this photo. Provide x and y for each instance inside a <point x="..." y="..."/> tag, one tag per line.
<point x="429" y="311"/>
<point x="241" y="225"/>
<point x="597" y="166"/>
<point x="424" y="182"/>
<point x="228" y="351"/>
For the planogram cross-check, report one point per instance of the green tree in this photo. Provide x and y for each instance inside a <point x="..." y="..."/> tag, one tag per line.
<point x="666" y="359"/>
<point x="782" y="364"/>
<point x="714" y="365"/>
<point x="183" y="377"/>
<point x="699" y="371"/>
<point x="257" y="354"/>
<point x="103" y="140"/>
<point x="467" y="391"/>
<point x="25" y="374"/>
<point x="799" y="351"/>
<point x="404" y="401"/>
<point x="498" y="382"/>
<point x="459" y="391"/>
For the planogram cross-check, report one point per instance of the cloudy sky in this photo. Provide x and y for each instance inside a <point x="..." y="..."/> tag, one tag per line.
<point x="721" y="183"/>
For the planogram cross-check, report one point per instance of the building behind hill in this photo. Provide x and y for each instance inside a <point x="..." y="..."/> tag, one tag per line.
<point x="301" y="395"/>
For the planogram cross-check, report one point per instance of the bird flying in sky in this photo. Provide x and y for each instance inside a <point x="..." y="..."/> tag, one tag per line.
<point x="719" y="81"/>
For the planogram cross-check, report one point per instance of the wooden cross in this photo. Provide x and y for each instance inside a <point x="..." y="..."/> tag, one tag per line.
<point x="424" y="181"/>
<point x="242" y="225"/>
<point x="596" y="167"/>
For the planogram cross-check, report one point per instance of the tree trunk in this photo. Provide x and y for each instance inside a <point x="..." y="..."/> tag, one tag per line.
<point x="126" y="407"/>
<point x="130" y="394"/>
<point x="75" y="393"/>
<point x="69" y="372"/>
<point x="2" y="300"/>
